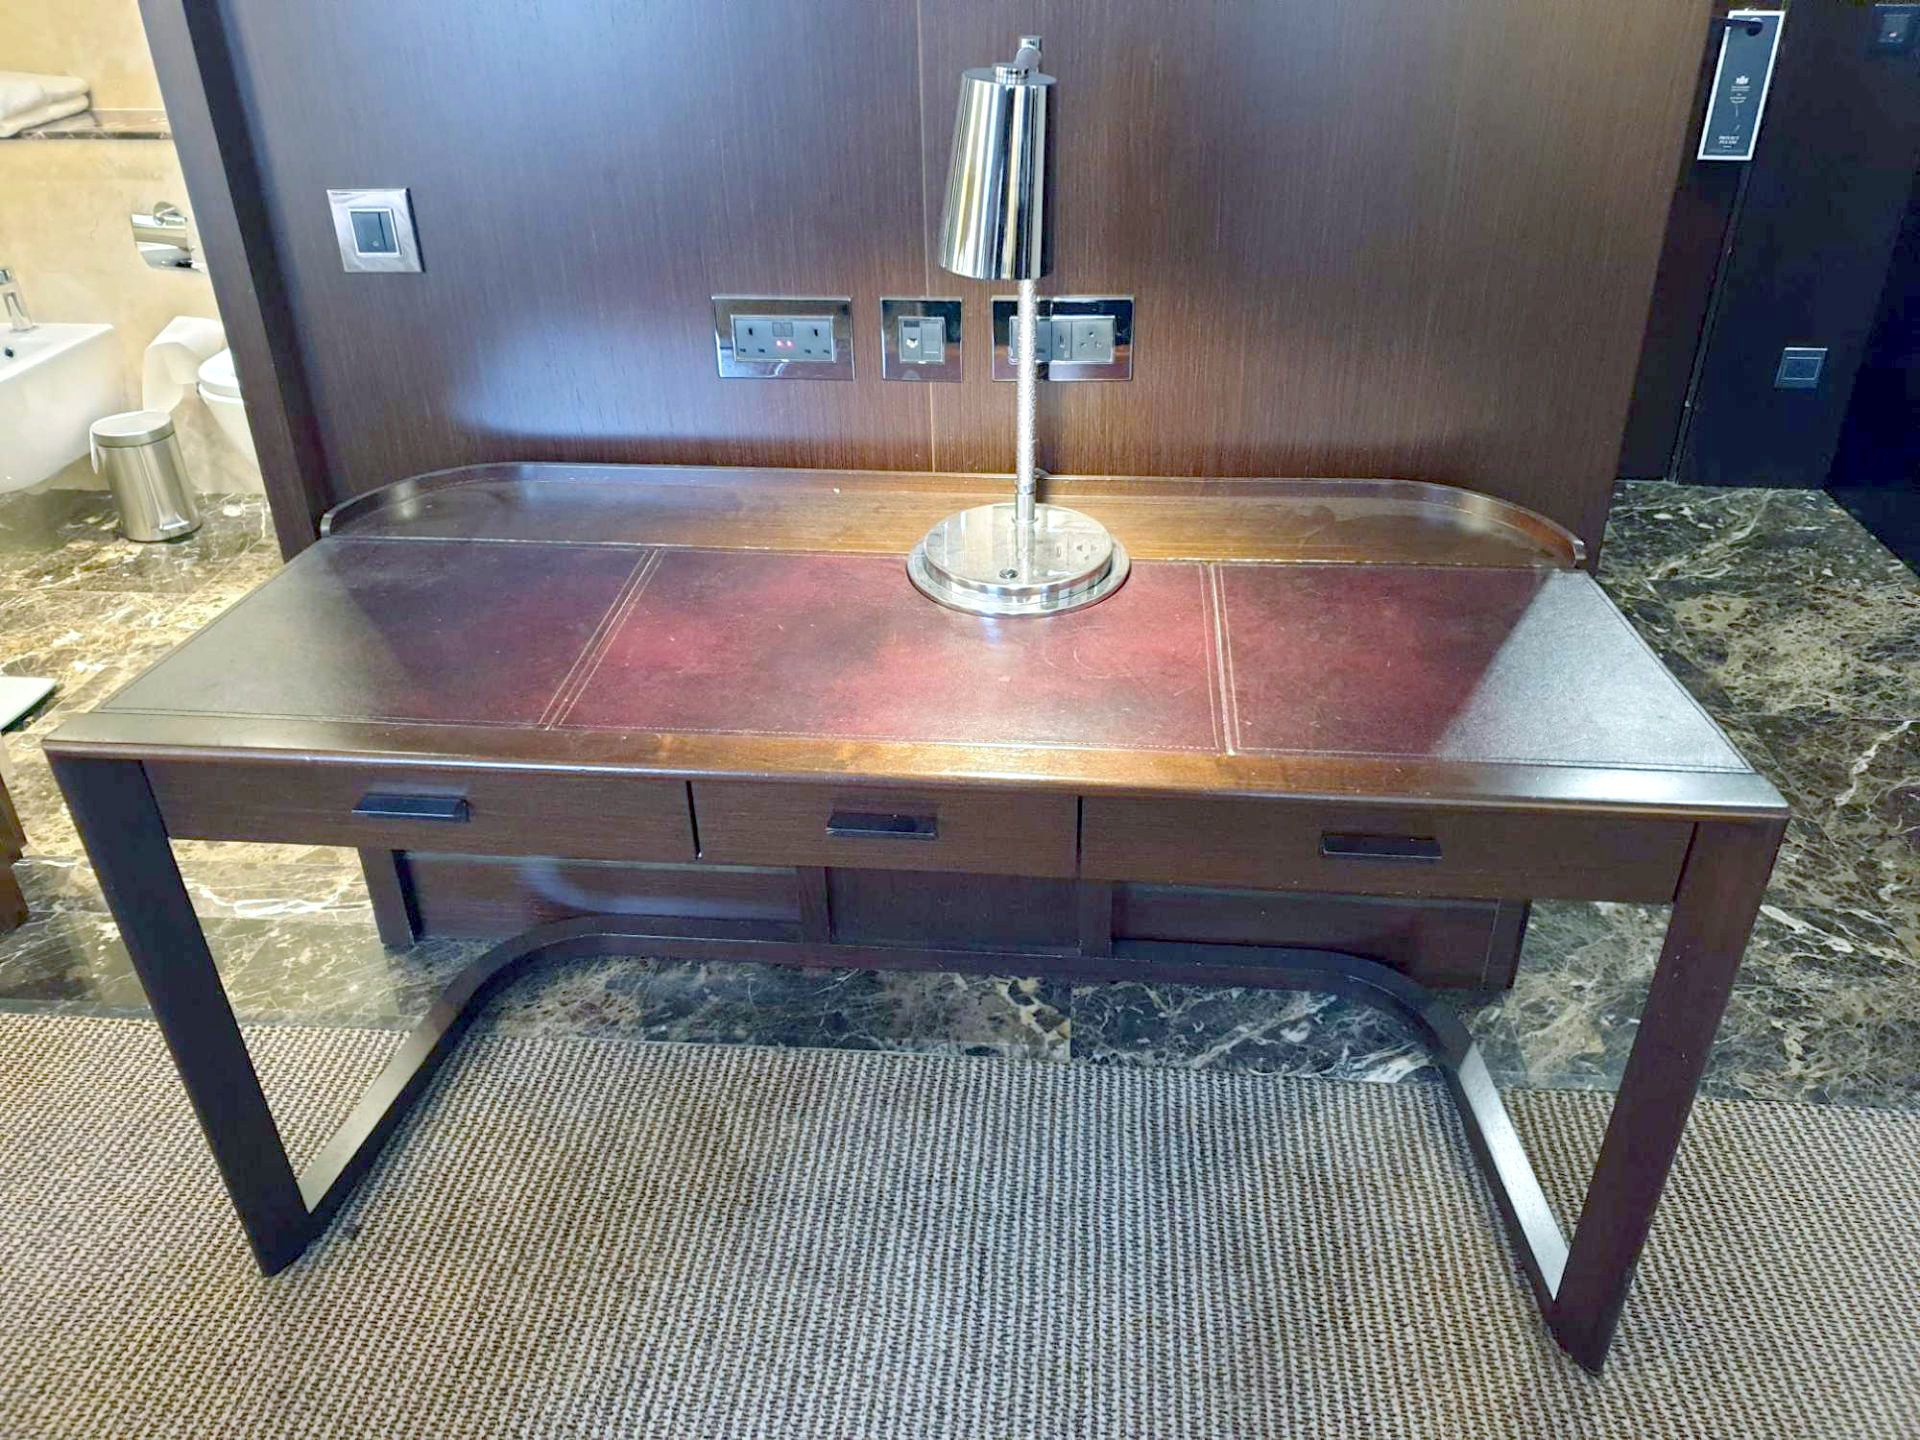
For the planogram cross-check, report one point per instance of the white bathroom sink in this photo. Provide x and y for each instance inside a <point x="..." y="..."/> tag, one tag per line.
<point x="55" y="381"/>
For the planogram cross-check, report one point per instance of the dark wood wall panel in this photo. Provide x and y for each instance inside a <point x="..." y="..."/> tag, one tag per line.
<point x="1366" y="238"/>
<point x="585" y="174"/>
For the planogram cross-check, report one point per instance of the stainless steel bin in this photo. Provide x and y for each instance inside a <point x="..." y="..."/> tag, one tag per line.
<point x="140" y="456"/>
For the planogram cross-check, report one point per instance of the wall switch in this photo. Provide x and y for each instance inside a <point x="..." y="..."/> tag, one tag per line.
<point x="1054" y="341"/>
<point x="771" y="337"/>
<point x="374" y="230"/>
<point x="1800" y="367"/>
<point x="1081" y="337"/>
<point x="920" y="339"/>
<point x="1896" y="28"/>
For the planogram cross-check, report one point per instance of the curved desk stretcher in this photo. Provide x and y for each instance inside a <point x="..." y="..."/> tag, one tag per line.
<point x="703" y="714"/>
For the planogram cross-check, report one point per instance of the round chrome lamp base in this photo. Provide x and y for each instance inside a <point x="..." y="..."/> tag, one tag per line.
<point x="979" y="562"/>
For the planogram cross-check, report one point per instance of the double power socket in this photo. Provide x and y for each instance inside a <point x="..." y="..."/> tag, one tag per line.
<point x="784" y="337"/>
<point x="1083" y="339"/>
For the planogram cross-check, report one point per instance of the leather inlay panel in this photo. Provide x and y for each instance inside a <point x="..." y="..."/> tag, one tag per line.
<point x="842" y="646"/>
<point x="1489" y="666"/>
<point x="398" y="630"/>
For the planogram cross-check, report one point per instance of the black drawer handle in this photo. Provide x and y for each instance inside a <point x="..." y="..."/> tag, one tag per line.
<point x="1406" y="849"/>
<point x="384" y="805"/>
<point x="874" y="825"/>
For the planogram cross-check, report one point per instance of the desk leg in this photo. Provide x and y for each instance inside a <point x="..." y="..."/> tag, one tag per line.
<point x="13" y="841"/>
<point x="126" y="840"/>
<point x="1713" y="913"/>
<point x="13" y="904"/>
<point x="390" y="888"/>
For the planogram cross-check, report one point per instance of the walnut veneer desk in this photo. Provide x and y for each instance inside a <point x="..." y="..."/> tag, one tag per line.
<point x="702" y="713"/>
<point x="13" y="844"/>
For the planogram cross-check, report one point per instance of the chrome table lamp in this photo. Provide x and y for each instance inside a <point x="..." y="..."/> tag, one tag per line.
<point x="1023" y="558"/>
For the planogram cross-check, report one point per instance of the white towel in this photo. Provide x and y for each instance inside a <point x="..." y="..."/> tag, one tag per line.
<point x="29" y="100"/>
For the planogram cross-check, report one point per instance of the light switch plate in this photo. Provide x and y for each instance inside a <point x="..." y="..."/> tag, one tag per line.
<point x="385" y="219"/>
<point x="838" y="314"/>
<point x="1800" y="367"/>
<point x="897" y="360"/>
<point x="1896" y="30"/>
<point x="1062" y="323"/>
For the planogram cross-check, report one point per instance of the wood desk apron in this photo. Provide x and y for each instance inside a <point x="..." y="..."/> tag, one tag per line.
<point x="1337" y="694"/>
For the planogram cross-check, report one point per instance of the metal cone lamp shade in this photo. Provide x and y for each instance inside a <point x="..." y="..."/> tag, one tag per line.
<point x="1022" y="558"/>
<point x="996" y="224"/>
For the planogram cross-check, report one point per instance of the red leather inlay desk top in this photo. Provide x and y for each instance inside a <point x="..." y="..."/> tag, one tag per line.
<point x="1432" y="662"/>
<point x="834" y="646"/>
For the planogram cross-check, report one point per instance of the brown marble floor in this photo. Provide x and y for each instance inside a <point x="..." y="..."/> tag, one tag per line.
<point x="1789" y="622"/>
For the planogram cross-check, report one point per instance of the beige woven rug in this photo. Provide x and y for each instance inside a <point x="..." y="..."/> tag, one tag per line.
<point x="589" y="1237"/>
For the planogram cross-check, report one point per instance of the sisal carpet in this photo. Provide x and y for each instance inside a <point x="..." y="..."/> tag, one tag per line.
<point x="587" y="1237"/>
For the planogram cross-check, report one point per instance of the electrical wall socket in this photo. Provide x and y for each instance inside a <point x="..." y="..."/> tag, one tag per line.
<point x="1087" y="340"/>
<point x="783" y="337"/>
<point x="774" y="337"/>
<point x="1081" y="337"/>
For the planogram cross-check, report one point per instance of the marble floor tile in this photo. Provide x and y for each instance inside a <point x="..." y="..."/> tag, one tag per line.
<point x="36" y="797"/>
<point x="1573" y="1011"/>
<point x="1269" y="1032"/>
<point x="318" y="960"/>
<point x="1858" y="782"/>
<point x="1827" y="1009"/>
<point x="752" y="1004"/>
<point x="71" y="636"/>
<point x="1841" y="649"/>
<point x="1853" y="842"/>
<point x="1689" y="536"/>
<point x="273" y="969"/>
<point x="327" y="886"/>
<point x="89" y="554"/>
<point x="34" y="523"/>
<point x="1766" y="602"/>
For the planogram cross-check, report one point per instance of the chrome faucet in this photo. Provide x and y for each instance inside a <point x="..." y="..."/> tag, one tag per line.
<point x="164" y="238"/>
<point x="18" y="320"/>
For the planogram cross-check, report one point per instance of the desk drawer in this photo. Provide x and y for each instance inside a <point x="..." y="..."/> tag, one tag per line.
<point x="983" y="832"/>
<point x="425" y="807"/>
<point x="1381" y="850"/>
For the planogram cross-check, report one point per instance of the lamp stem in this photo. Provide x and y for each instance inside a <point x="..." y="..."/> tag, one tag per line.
<point x="1027" y="342"/>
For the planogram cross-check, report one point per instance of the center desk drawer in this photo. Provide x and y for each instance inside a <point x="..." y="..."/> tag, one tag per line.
<point x="1381" y="850"/>
<point x="745" y="822"/>
<point x="424" y="807"/>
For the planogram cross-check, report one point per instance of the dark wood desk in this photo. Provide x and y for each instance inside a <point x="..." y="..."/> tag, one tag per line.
<point x="13" y="844"/>
<point x="703" y="714"/>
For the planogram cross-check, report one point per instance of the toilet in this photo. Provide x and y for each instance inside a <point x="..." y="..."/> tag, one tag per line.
<point x="220" y="390"/>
